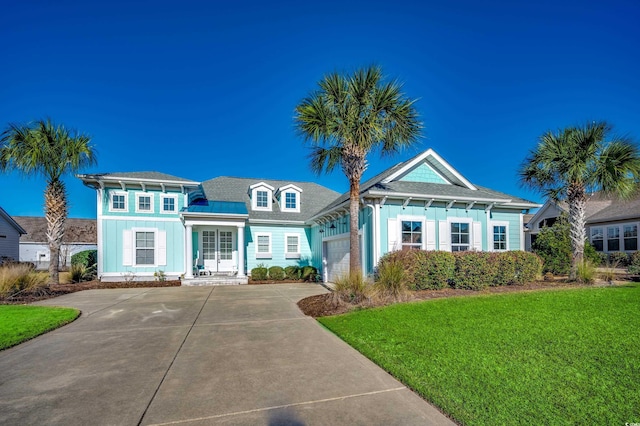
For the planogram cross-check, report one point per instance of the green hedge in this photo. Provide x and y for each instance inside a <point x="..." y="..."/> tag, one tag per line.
<point x="85" y="258"/>
<point x="276" y="273"/>
<point x="259" y="273"/>
<point x="634" y="264"/>
<point x="292" y="272"/>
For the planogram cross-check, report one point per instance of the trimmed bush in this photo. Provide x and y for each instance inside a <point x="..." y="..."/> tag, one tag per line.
<point x="276" y="273"/>
<point x="434" y="269"/>
<point x="619" y="258"/>
<point x="292" y="272"/>
<point x="634" y="264"/>
<point x="516" y="267"/>
<point x="308" y="273"/>
<point x="87" y="258"/>
<point x="259" y="273"/>
<point x="474" y="270"/>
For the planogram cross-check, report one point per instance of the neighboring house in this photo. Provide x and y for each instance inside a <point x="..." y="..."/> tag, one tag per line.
<point x="611" y="224"/>
<point x="79" y="235"/>
<point x="10" y="232"/>
<point x="150" y="221"/>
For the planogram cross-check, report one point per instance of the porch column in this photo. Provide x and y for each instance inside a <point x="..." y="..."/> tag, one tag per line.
<point x="189" y="251"/>
<point x="241" y="251"/>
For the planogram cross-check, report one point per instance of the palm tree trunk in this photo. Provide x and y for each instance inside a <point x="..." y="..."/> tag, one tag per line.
<point x="55" y="211"/>
<point x="577" y="199"/>
<point x="354" y="209"/>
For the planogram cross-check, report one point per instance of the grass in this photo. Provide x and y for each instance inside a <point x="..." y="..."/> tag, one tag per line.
<point x="19" y="323"/>
<point x="548" y="357"/>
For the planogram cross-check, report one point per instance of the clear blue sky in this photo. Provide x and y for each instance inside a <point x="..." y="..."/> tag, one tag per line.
<point x="205" y="89"/>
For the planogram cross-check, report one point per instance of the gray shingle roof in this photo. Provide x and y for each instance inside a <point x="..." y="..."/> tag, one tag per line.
<point x="314" y="197"/>
<point x="612" y="208"/>
<point x="76" y="230"/>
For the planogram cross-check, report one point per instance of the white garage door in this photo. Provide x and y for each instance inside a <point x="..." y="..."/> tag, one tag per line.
<point x="337" y="258"/>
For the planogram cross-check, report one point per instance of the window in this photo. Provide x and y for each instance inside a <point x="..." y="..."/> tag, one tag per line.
<point x="208" y="245"/>
<point x="630" y="234"/>
<point x="460" y="236"/>
<point x="290" y="201"/>
<point x="597" y="239"/>
<point x="411" y="235"/>
<point x="145" y="248"/>
<point x="613" y="238"/>
<point x="292" y="246"/>
<point x="144" y="202"/>
<point x="226" y="245"/>
<point x="118" y="201"/>
<point x="499" y="237"/>
<point x="262" y="199"/>
<point x="168" y="204"/>
<point x="263" y="246"/>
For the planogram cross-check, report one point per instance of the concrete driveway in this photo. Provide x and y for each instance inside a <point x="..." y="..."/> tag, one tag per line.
<point x="241" y="355"/>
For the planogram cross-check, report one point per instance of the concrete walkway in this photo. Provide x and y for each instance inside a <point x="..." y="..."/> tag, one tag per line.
<point x="241" y="355"/>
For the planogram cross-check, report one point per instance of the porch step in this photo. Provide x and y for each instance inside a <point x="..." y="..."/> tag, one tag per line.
<point x="214" y="280"/>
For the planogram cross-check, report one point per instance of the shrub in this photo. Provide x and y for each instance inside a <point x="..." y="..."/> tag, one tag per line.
<point x="276" y="273"/>
<point x="634" y="263"/>
<point x="596" y="258"/>
<point x="433" y="269"/>
<point x="308" y="273"/>
<point x="619" y="258"/>
<point x="86" y="258"/>
<point x="159" y="275"/>
<point x="259" y="273"/>
<point x="352" y="288"/>
<point x="474" y="270"/>
<point x="292" y="272"/>
<point x="79" y="272"/>
<point x="586" y="272"/>
<point x="516" y="267"/>
<point x="16" y="278"/>
<point x="409" y="260"/>
<point x="391" y="280"/>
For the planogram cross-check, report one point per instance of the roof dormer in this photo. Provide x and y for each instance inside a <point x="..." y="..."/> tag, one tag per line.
<point x="261" y="196"/>
<point x="289" y="197"/>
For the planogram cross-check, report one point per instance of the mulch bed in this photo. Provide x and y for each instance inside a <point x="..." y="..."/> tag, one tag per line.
<point x="323" y="305"/>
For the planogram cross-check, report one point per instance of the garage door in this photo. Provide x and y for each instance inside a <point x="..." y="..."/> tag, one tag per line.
<point x="337" y="258"/>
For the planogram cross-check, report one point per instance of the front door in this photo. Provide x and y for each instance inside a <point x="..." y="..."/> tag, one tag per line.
<point x="217" y="250"/>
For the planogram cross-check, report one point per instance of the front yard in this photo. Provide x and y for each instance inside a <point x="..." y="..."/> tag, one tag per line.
<point x="547" y="357"/>
<point x="21" y="323"/>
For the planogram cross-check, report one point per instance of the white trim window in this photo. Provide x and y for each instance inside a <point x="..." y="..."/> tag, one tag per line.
<point x="145" y="247"/>
<point x="411" y="234"/>
<point x="460" y="236"/>
<point x="613" y="238"/>
<point x="292" y="246"/>
<point x="261" y="196"/>
<point x="500" y="234"/>
<point x="144" y="202"/>
<point x="630" y="236"/>
<point x="168" y="204"/>
<point x="118" y="201"/>
<point x="597" y="238"/>
<point x="263" y="245"/>
<point x="290" y="196"/>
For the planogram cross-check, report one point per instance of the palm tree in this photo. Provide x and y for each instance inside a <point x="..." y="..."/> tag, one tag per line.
<point x="570" y="163"/>
<point x="347" y="118"/>
<point x="52" y="151"/>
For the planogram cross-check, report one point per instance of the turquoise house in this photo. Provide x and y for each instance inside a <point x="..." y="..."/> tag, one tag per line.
<point x="218" y="230"/>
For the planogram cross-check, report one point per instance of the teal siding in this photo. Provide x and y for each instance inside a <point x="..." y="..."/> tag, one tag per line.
<point x="113" y="243"/>
<point x="423" y="173"/>
<point x="131" y="202"/>
<point x="513" y="219"/>
<point x="277" y="246"/>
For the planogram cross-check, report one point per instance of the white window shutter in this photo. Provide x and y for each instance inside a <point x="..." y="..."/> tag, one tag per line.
<point x="127" y="248"/>
<point x="392" y="234"/>
<point x="430" y="226"/>
<point x="444" y="236"/>
<point x="162" y="248"/>
<point x="476" y="232"/>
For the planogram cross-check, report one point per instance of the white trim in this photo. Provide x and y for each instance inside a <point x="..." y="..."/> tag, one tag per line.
<point x="126" y="201"/>
<point x="290" y="186"/>
<point x="492" y="234"/>
<point x="261" y="187"/>
<point x="468" y="220"/>
<point x="283" y="201"/>
<point x="155" y="247"/>
<point x="522" y="236"/>
<point x="287" y="253"/>
<point x="262" y="184"/>
<point x="237" y="224"/>
<point x="405" y="195"/>
<point x="100" y="260"/>
<point x="151" y="206"/>
<point x="263" y="255"/>
<point x="539" y="214"/>
<point x="154" y="219"/>
<point x="605" y="239"/>
<point x="409" y="218"/>
<point x="283" y="222"/>
<point x="175" y="203"/>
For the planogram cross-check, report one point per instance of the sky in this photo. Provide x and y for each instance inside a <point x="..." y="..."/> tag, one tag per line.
<point x="201" y="89"/>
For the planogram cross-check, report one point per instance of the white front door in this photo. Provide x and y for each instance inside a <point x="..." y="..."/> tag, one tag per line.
<point x="218" y="246"/>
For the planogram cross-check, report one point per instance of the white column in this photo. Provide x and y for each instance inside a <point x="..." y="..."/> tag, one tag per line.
<point x="189" y="251"/>
<point x="241" y="251"/>
<point x="376" y="232"/>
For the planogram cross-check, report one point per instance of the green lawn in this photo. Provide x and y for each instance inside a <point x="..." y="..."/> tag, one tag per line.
<point x="548" y="357"/>
<point x="19" y="323"/>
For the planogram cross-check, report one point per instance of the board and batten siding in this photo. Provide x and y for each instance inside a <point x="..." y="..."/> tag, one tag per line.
<point x="9" y="240"/>
<point x="278" y="257"/>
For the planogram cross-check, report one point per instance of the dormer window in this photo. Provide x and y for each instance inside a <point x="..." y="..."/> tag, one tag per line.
<point x="290" y="198"/>
<point x="261" y="196"/>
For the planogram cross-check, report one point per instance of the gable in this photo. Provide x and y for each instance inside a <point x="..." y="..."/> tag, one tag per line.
<point x="424" y="173"/>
